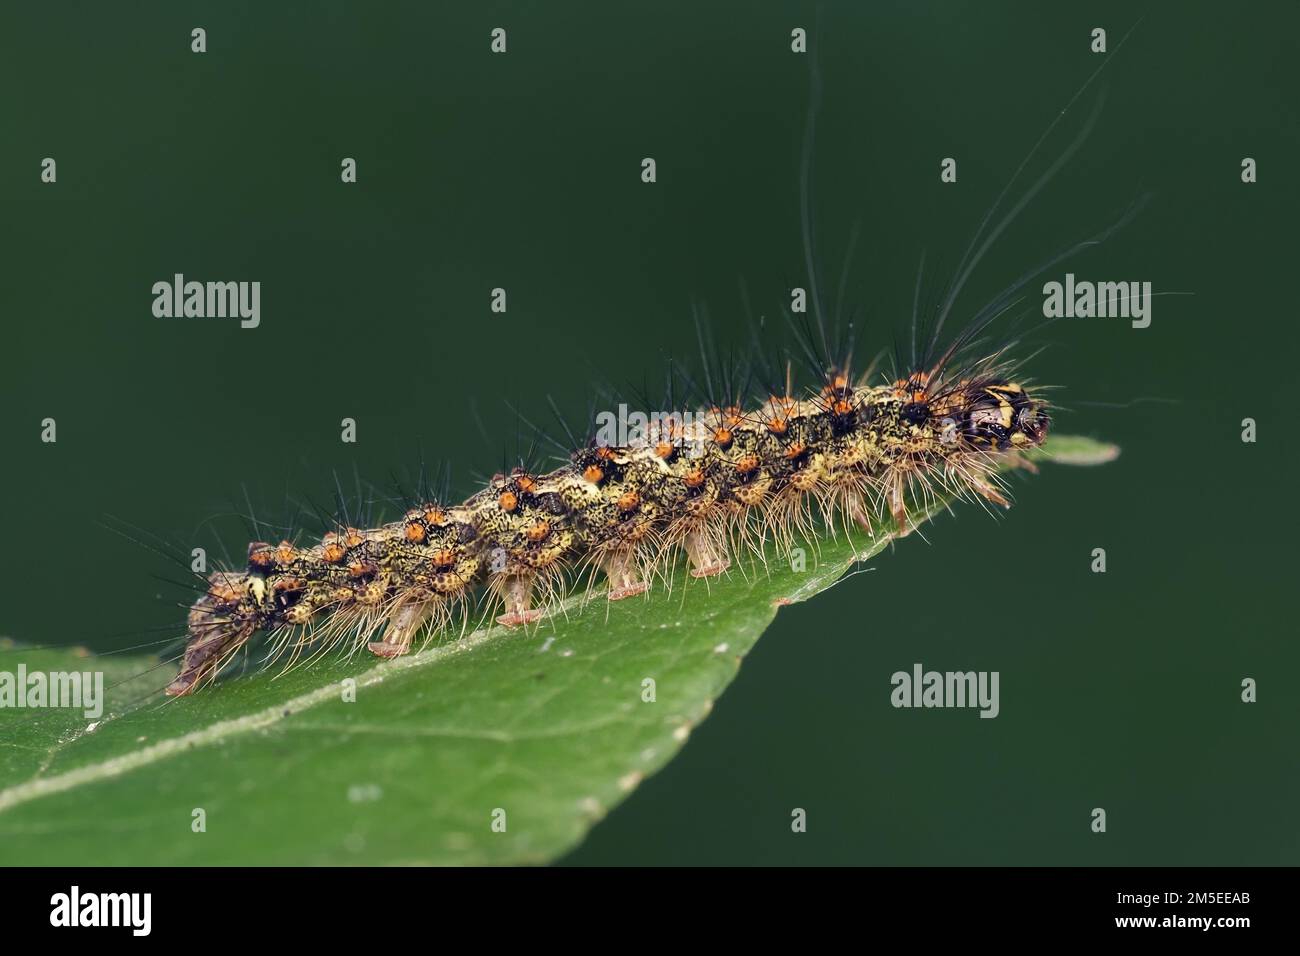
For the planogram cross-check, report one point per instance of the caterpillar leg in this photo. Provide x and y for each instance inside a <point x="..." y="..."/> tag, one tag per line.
<point x="860" y="516"/>
<point x="1016" y="460"/>
<point x="898" y="507"/>
<point x="625" y="578"/>
<point x="988" y="492"/>
<point x="401" y="630"/>
<point x="516" y="593"/>
<point x="707" y="555"/>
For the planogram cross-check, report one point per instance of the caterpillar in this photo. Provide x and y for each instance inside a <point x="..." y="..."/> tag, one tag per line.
<point x="725" y="479"/>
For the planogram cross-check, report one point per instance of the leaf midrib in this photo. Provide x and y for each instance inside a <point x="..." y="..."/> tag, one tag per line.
<point x="224" y="730"/>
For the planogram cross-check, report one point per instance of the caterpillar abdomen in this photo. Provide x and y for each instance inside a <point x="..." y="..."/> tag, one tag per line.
<point x="701" y="484"/>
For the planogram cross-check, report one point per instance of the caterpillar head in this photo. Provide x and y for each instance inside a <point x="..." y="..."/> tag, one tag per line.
<point x="999" y="415"/>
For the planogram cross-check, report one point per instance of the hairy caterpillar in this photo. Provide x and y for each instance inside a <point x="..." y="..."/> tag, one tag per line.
<point x="728" y="478"/>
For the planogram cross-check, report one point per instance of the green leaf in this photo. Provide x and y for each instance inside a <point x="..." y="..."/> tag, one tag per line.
<point x="548" y="726"/>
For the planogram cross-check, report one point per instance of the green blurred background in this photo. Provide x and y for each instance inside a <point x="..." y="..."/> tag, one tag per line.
<point x="522" y="171"/>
